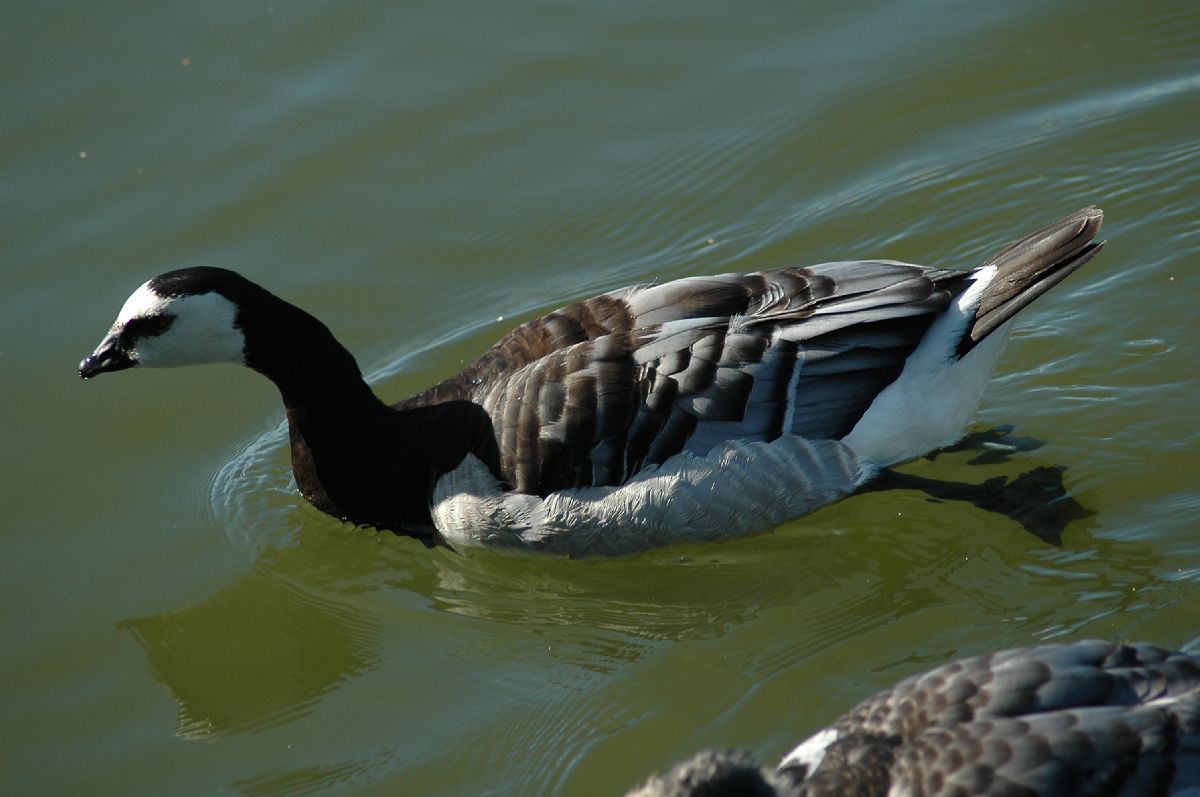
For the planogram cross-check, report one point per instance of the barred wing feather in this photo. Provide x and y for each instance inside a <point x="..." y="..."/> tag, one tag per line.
<point x="589" y="394"/>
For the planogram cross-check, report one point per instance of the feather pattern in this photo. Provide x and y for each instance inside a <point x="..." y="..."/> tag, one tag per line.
<point x="592" y="393"/>
<point x="1091" y="718"/>
<point x="736" y="488"/>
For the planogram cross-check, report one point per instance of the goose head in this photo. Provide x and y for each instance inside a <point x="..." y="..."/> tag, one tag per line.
<point x="183" y="317"/>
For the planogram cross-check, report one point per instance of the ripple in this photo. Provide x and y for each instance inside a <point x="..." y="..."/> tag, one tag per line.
<point x="251" y="494"/>
<point x="319" y="778"/>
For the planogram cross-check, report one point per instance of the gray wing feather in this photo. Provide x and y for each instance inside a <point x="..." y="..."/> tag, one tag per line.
<point x="589" y="394"/>
<point x="1091" y="717"/>
<point x="1024" y="680"/>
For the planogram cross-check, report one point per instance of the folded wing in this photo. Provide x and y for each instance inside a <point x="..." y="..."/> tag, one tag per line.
<point x="592" y="393"/>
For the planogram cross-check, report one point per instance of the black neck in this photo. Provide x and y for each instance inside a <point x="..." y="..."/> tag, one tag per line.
<point x="353" y="456"/>
<point x="335" y="422"/>
<point x="311" y="369"/>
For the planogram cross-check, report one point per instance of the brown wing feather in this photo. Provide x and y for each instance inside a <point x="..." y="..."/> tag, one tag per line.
<point x="1089" y="717"/>
<point x="591" y="393"/>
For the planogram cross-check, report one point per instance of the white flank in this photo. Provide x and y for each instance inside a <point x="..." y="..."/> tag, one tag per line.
<point x="936" y="394"/>
<point x="202" y="329"/>
<point x="811" y="752"/>
<point x="735" y="489"/>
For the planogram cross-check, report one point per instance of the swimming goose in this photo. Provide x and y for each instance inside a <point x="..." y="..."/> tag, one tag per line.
<point x="1095" y="718"/>
<point x="693" y="409"/>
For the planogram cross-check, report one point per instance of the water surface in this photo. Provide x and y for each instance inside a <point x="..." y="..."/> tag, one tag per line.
<point x="424" y="176"/>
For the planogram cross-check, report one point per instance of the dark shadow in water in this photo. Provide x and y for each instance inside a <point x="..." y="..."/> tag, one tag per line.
<point x="991" y="446"/>
<point x="1037" y="499"/>
<point x="255" y="655"/>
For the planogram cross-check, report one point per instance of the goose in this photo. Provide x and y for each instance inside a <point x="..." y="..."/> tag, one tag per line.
<point x="699" y="408"/>
<point x="1085" y="718"/>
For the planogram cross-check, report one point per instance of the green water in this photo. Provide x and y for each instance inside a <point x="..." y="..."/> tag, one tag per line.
<point x="177" y="621"/>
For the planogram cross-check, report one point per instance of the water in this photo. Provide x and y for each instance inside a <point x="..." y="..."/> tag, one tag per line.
<point x="423" y="177"/>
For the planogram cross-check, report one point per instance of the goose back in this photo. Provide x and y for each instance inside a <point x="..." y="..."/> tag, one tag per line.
<point x="591" y="393"/>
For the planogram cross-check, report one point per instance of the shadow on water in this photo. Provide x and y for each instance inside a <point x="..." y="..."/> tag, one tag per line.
<point x="1038" y="499"/>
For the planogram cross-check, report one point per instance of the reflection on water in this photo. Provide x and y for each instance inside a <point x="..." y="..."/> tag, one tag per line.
<point x="671" y="596"/>
<point x="257" y="654"/>
<point x="308" y="616"/>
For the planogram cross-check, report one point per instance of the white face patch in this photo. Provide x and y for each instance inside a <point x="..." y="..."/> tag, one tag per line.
<point x="141" y="303"/>
<point x="201" y="331"/>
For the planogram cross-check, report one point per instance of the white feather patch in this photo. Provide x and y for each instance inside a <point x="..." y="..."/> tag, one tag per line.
<point x="933" y="399"/>
<point x="737" y="488"/>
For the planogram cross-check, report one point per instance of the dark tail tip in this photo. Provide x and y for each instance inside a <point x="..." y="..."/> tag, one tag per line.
<point x="1031" y="266"/>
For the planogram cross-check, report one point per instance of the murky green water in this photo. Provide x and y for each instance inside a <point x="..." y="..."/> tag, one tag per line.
<point x="177" y="621"/>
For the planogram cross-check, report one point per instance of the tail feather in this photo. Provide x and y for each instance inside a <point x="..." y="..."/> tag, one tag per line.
<point x="1031" y="266"/>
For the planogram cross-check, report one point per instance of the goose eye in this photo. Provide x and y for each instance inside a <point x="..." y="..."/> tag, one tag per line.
<point x="146" y="326"/>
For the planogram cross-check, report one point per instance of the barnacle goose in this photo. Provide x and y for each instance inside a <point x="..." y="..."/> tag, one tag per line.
<point x="693" y="409"/>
